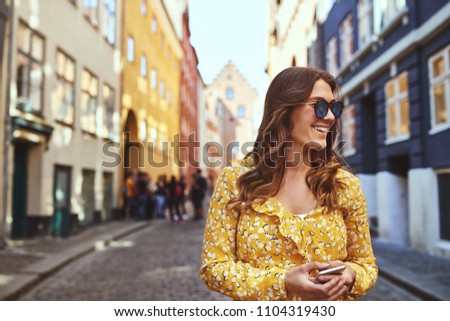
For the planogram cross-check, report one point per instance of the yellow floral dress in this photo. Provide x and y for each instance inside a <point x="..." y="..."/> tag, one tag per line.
<point x="246" y="255"/>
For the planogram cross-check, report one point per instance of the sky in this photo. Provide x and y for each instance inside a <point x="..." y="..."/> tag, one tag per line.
<point x="235" y="30"/>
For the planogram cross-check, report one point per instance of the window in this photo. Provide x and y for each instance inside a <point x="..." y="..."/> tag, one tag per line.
<point x="385" y="11"/>
<point x="143" y="66"/>
<point x="63" y="107"/>
<point x="219" y="109"/>
<point x="89" y="96"/>
<point x="439" y="74"/>
<point x="91" y="11"/>
<point x="108" y="120"/>
<point x="153" y="78"/>
<point x="162" y="89"/>
<point x="241" y="111"/>
<point x="444" y="205"/>
<point x="130" y="48"/>
<point x="365" y="22"/>
<point x="230" y="93"/>
<point x="346" y="40"/>
<point x="154" y="25"/>
<point x="169" y="97"/>
<point x="397" y="107"/>
<point x="30" y="76"/>
<point x="332" y="61"/>
<point x="109" y="21"/>
<point x="349" y="130"/>
<point x="144" y="7"/>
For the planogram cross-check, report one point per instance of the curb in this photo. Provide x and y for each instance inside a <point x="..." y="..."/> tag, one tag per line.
<point x="36" y="272"/>
<point x="424" y="288"/>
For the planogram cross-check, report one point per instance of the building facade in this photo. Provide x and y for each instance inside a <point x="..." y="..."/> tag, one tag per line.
<point x="150" y="96"/>
<point x="232" y="91"/>
<point x="292" y="27"/>
<point x="5" y="70"/>
<point x="189" y="156"/>
<point x="63" y="109"/>
<point x="392" y="61"/>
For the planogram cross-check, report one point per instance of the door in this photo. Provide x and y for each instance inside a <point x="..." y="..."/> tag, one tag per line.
<point x="61" y="224"/>
<point x="88" y="195"/>
<point x="19" y="194"/>
<point x="107" y="195"/>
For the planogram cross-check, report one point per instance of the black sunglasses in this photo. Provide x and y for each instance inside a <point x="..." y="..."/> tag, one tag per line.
<point x="321" y="108"/>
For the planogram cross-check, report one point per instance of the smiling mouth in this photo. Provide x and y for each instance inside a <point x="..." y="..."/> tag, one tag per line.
<point x="321" y="129"/>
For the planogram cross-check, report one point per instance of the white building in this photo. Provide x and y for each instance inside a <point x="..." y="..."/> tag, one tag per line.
<point x="232" y="91"/>
<point x="64" y="109"/>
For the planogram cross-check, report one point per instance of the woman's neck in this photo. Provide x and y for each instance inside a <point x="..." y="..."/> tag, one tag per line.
<point x="297" y="160"/>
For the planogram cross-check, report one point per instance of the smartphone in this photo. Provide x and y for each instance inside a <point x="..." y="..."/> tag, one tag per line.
<point x="335" y="270"/>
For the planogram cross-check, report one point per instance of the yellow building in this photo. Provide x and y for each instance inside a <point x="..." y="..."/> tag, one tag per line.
<point x="150" y="88"/>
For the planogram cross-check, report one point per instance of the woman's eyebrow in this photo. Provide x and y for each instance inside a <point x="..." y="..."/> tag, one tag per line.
<point x="319" y="98"/>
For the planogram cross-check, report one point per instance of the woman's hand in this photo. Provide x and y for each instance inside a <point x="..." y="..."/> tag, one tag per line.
<point x="298" y="282"/>
<point x="346" y="278"/>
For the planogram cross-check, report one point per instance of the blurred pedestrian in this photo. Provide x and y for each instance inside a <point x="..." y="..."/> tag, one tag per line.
<point x="198" y="191"/>
<point x="181" y="195"/>
<point x="142" y="197"/>
<point x="174" y="189"/>
<point x="130" y="193"/>
<point x="161" y="195"/>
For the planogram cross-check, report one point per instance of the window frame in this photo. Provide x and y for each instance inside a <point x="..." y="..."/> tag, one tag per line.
<point x="239" y="113"/>
<point x="91" y="97"/>
<point x="130" y="49"/>
<point x="396" y="100"/>
<point x="162" y="89"/>
<point x="365" y="21"/>
<point x="24" y="102"/>
<point x="154" y="25"/>
<point x="109" y="108"/>
<point x="436" y="81"/>
<point x="143" y="66"/>
<point x="92" y="17"/>
<point x="349" y="148"/>
<point x="62" y="78"/>
<point x="108" y="16"/>
<point x="144" y="7"/>
<point x="154" y="78"/>
<point x="346" y="41"/>
<point x="332" y="56"/>
<point x="229" y="93"/>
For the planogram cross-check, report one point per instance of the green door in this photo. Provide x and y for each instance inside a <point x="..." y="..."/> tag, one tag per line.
<point x="20" y="182"/>
<point x="61" y="199"/>
<point x="107" y="195"/>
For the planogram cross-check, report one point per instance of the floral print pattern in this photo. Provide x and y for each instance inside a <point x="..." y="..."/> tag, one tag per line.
<point x="246" y="255"/>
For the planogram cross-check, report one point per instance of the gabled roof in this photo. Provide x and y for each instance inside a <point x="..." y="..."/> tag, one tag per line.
<point x="230" y="66"/>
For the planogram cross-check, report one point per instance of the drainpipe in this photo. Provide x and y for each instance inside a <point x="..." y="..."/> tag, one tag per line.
<point x="7" y="128"/>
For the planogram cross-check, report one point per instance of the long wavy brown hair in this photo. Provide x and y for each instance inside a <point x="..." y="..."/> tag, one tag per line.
<point x="289" y="89"/>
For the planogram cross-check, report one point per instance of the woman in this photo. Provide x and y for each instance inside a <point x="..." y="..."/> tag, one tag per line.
<point x="289" y="209"/>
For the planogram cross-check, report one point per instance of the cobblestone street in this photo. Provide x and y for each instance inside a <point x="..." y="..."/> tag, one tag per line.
<point x="160" y="262"/>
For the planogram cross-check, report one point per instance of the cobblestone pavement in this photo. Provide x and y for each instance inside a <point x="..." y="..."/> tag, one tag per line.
<point x="23" y="253"/>
<point x="385" y="290"/>
<point x="160" y="262"/>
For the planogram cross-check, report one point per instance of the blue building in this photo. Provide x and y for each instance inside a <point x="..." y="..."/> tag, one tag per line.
<point x="392" y="59"/>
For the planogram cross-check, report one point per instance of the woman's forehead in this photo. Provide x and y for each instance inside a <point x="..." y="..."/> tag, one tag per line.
<point x="322" y="89"/>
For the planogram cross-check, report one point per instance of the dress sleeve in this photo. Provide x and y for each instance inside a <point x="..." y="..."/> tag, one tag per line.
<point x="221" y="270"/>
<point x="359" y="245"/>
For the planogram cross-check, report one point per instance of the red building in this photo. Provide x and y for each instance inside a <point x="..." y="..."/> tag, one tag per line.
<point x="188" y="104"/>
